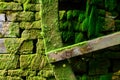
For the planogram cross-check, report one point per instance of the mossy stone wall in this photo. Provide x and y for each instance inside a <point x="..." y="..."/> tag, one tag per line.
<point x="22" y="52"/>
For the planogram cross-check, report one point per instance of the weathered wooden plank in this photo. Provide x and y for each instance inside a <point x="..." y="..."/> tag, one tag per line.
<point x="63" y="71"/>
<point x="84" y="47"/>
<point x="50" y="25"/>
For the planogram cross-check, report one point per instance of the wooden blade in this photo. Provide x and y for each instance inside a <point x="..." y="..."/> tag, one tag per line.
<point x="84" y="47"/>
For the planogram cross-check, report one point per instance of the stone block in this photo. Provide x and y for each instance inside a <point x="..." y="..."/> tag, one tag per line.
<point x="117" y="73"/>
<point x="8" y="61"/>
<point x="38" y="62"/>
<point x="20" y="72"/>
<point x="26" y="47"/>
<point x="32" y="7"/>
<point x="30" y="1"/>
<point x="98" y="66"/>
<point x="13" y="78"/>
<point x="40" y="46"/>
<point x="13" y="45"/>
<point x="2" y="46"/>
<point x="3" y="73"/>
<point x="20" y="1"/>
<point x="31" y="34"/>
<point x="33" y="61"/>
<point x="37" y="16"/>
<point x="36" y="78"/>
<point x="115" y="77"/>
<point x="46" y="73"/>
<point x="2" y="17"/>
<point x="21" y="16"/>
<point x="9" y="29"/>
<point x="3" y="78"/>
<point x="30" y="25"/>
<point x="50" y="25"/>
<point x="10" y="6"/>
<point x="25" y="61"/>
<point x="2" y="0"/>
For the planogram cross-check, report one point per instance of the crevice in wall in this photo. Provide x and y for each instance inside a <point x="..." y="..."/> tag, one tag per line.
<point x="23" y="77"/>
<point x="21" y="30"/>
<point x="8" y="0"/>
<point x="34" y="44"/>
<point x="18" y="64"/>
<point x="5" y="17"/>
<point x="37" y="71"/>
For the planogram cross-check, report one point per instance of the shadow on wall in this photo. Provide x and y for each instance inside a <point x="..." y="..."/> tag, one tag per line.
<point x="99" y="65"/>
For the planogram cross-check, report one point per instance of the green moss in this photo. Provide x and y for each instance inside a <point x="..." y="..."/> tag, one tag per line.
<point x="31" y="34"/>
<point x="10" y="6"/>
<point x="78" y="37"/>
<point x="106" y="77"/>
<point x="13" y="44"/>
<point x="68" y="47"/>
<point x="25" y="61"/>
<point x="30" y="25"/>
<point x="110" y="4"/>
<point x="8" y="61"/>
<point x="26" y="48"/>
<point x="38" y="62"/>
<point x="92" y="22"/>
<point x="25" y="4"/>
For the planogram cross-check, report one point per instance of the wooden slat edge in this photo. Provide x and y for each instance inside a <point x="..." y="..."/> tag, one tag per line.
<point x="84" y="47"/>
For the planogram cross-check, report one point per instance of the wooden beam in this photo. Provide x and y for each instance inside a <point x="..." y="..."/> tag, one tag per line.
<point x="84" y="47"/>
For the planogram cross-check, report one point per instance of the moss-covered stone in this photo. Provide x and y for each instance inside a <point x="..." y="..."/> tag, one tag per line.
<point x="8" y="61"/>
<point x="40" y="46"/>
<point x="2" y="17"/>
<point x="38" y="62"/>
<point x="36" y="78"/>
<point x="25" y="61"/>
<point x="13" y="78"/>
<point x="2" y="0"/>
<point x="20" y="16"/>
<point x="26" y="47"/>
<point x="50" y="24"/>
<point x="30" y="25"/>
<point x="3" y="49"/>
<point x="114" y="77"/>
<point x="13" y="45"/>
<point x="117" y="73"/>
<point x="30" y="1"/>
<point x="33" y="7"/>
<point x="46" y="73"/>
<point x="10" y="6"/>
<point x="9" y="29"/>
<point x="3" y="78"/>
<point x="33" y="62"/>
<point x="20" y="72"/>
<point x="20" y="1"/>
<point x="31" y="34"/>
<point x="3" y="73"/>
<point x="37" y="16"/>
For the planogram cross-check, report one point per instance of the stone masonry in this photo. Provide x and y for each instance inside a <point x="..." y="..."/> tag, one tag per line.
<point x="21" y="43"/>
